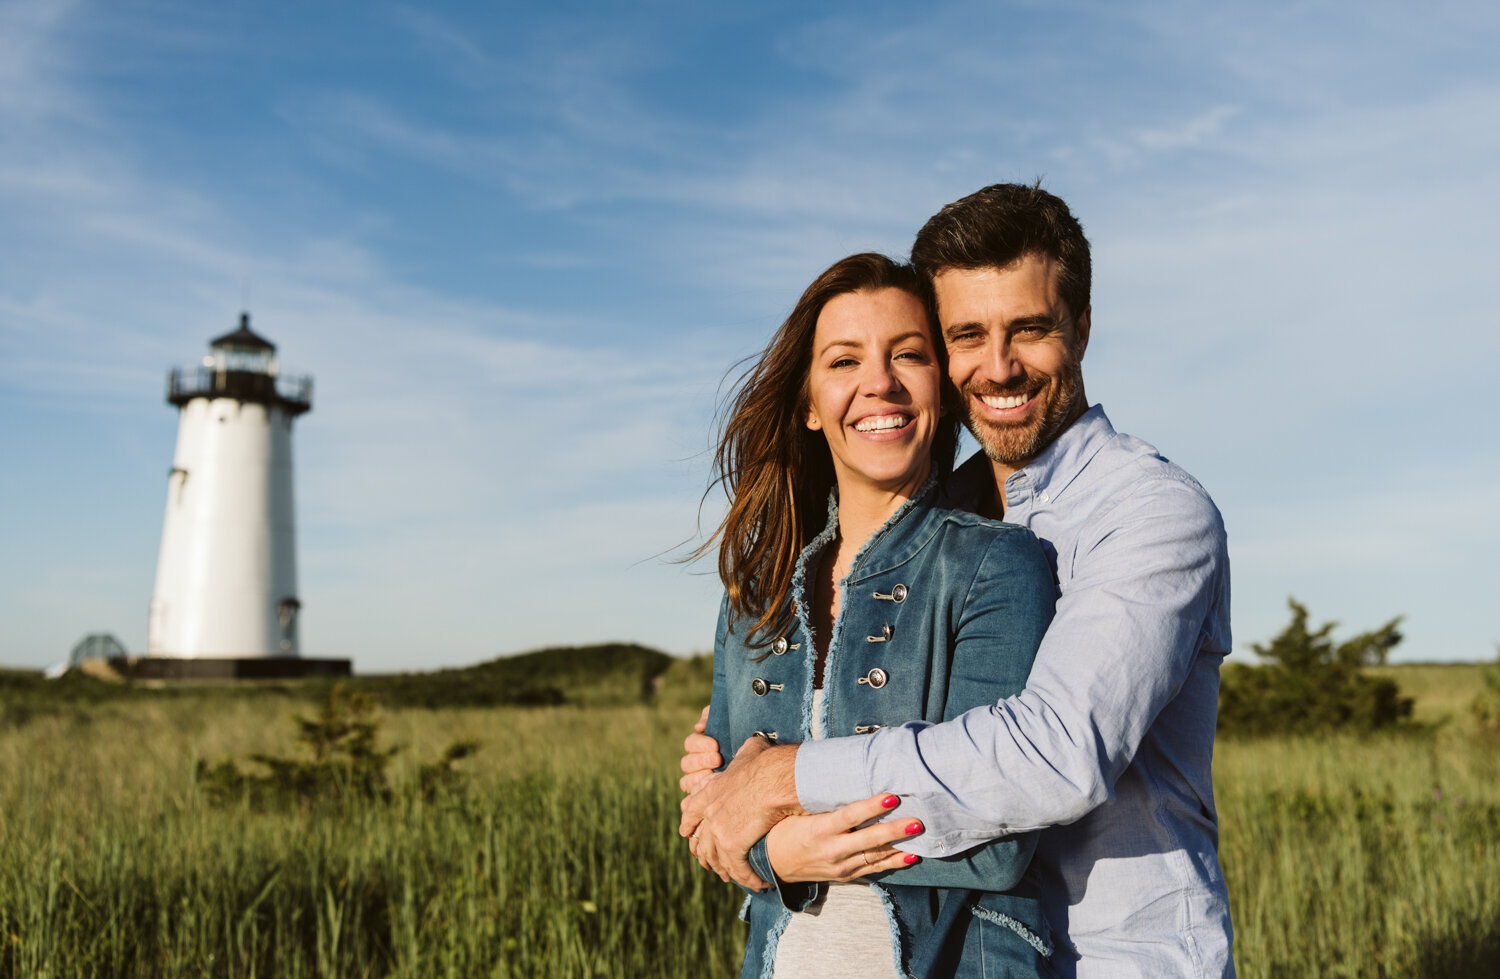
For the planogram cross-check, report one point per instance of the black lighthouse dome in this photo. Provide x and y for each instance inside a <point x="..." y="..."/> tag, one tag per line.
<point x="241" y="365"/>
<point x="243" y="340"/>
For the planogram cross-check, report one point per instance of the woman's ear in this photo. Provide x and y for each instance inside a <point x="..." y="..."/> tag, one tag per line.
<point x="813" y="421"/>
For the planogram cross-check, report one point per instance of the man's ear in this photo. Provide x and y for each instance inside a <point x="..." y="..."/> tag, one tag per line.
<point x="1081" y="327"/>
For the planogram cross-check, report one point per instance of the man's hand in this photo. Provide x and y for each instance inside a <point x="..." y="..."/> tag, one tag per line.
<point x="833" y="846"/>
<point x="733" y="809"/>
<point x="700" y="756"/>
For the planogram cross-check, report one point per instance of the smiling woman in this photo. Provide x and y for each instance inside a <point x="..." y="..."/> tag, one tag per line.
<point x="873" y="389"/>
<point x="842" y="426"/>
<point x="775" y="467"/>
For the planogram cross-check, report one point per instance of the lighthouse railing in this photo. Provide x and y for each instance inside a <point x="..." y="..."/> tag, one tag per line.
<point x="291" y="392"/>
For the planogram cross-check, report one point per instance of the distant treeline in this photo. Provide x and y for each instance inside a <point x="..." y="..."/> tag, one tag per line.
<point x="1305" y="683"/>
<point x="609" y="674"/>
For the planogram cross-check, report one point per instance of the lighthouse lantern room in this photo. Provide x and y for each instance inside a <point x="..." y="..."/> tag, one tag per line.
<point x="226" y="578"/>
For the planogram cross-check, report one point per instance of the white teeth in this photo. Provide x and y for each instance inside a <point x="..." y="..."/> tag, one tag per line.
<point x="880" y="423"/>
<point x="1014" y="401"/>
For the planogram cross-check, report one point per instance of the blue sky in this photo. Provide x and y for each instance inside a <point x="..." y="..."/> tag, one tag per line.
<point x="520" y="245"/>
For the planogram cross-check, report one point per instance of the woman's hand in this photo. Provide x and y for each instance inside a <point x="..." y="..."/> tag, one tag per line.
<point x="700" y="756"/>
<point x="828" y="846"/>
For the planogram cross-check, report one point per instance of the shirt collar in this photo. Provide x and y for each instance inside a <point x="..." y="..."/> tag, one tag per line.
<point x="1043" y="479"/>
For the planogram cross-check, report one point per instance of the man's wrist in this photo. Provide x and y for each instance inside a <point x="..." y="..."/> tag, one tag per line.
<point x="776" y="781"/>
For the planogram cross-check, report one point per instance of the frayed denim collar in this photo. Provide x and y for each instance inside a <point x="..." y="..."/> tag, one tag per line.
<point x="801" y="600"/>
<point x="857" y="571"/>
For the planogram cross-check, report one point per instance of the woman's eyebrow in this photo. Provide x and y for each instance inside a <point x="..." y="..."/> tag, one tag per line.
<point x="856" y="344"/>
<point x="853" y="344"/>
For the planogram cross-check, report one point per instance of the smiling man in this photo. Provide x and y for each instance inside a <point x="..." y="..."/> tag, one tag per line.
<point x="1109" y="748"/>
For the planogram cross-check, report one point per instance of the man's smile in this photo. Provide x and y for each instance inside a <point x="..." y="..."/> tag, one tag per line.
<point x="1005" y="402"/>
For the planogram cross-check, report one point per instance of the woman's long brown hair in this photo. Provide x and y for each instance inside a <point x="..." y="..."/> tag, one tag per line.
<point x="776" y="472"/>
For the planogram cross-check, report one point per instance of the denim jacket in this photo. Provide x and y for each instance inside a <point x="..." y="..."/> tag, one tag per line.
<point x="942" y="611"/>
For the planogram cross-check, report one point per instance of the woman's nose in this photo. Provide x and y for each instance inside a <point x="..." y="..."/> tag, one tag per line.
<point x="882" y="380"/>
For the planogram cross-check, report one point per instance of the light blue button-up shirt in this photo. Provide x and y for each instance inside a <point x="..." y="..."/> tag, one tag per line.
<point x="1111" y="743"/>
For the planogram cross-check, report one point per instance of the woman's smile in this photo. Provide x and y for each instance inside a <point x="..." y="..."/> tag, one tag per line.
<point x="884" y="424"/>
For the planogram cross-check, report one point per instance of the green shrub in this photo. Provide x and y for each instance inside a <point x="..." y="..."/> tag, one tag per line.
<point x="345" y="764"/>
<point x="1309" y="685"/>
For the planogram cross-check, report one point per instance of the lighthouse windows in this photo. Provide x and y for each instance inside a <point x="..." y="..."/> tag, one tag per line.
<point x="257" y="362"/>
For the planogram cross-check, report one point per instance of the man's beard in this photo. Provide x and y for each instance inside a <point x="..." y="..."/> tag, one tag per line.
<point x="1016" y="445"/>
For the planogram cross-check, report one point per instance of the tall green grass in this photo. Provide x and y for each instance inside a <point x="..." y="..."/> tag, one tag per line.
<point x="561" y="859"/>
<point x="1376" y="857"/>
<point x="1344" y="857"/>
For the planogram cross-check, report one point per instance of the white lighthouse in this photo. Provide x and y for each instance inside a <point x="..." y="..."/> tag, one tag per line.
<point x="226" y="579"/>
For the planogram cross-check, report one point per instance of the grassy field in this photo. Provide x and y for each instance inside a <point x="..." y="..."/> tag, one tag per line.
<point x="1443" y="691"/>
<point x="558" y="856"/>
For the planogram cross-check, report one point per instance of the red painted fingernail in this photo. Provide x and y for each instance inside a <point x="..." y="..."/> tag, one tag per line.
<point x="913" y="828"/>
<point x="890" y="801"/>
<point x="910" y="859"/>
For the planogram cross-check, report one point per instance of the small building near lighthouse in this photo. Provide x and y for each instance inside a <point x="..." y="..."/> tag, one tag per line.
<point x="225" y="603"/>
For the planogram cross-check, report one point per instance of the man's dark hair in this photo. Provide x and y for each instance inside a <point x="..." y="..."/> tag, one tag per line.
<point x="1001" y="224"/>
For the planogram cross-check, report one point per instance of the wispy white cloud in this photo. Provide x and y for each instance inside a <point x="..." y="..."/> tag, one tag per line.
<point x="1203" y="130"/>
<point x="30" y="59"/>
<point x="1190" y="134"/>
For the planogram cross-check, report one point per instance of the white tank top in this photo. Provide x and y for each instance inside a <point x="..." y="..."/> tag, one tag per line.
<point x="847" y="932"/>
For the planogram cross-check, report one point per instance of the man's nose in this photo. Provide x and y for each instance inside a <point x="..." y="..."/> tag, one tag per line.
<point x="1002" y="364"/>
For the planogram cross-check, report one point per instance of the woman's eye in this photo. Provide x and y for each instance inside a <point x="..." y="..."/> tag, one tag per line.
<point x="843" y="362"/>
